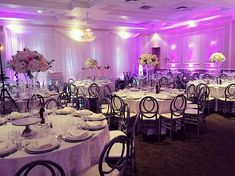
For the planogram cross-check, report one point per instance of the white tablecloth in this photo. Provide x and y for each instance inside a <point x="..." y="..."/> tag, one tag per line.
<point x="216" y="90"/>
<point x="83" y="87"/>
<point x="73" y="157"/>
<point x="133" y="99"/>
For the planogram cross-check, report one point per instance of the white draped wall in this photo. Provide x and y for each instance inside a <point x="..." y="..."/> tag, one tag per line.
<point x="57" y="43"/>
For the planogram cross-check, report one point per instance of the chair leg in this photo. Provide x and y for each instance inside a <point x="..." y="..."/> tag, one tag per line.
<point x="198" y="130"/>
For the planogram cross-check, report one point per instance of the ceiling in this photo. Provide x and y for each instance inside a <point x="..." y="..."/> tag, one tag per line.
<point x="113" y="14"/>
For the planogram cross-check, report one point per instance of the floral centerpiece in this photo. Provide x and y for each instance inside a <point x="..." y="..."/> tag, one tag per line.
<point x="148" y="60"/>
<point x="217" y="57"/>
<point x="90" y="63"/>
<point x="28" y="61"/>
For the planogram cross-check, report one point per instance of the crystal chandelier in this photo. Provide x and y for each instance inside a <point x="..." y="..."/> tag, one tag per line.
<point x="88" y="35"/>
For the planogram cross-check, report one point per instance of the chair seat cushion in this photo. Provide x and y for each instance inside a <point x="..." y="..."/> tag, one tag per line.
<point x="210" y="98"/>
<point x="229" y="100"/>
<point x="116" y="150"/>
<point x="131" y="114"/>
<point x="192" y="111"/>
<point x="94" y="171"/>
<point x="106" y="111"/>
<point x="189" y="102"/>
<point x="115" y="133"/>
<point x="192" y="106"/>
<point x="168" y="116"/>
<point x="150" y="116"/>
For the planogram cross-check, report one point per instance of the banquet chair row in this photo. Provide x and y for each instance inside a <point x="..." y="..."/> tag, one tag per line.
<point x="119" y="111"/>
<point x="35" y="101"/>
<point x="71" y="97"/>
<point x="193" y="92"/>
<point x="227" y="103"/>
<point x="153" y="122"/>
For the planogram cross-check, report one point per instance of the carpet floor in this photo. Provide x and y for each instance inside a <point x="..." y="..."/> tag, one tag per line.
<point x="210" y="154"/>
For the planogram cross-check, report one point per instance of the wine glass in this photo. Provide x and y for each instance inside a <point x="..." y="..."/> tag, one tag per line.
<point x="64" y="129"/>
<point x="70" y="122"/>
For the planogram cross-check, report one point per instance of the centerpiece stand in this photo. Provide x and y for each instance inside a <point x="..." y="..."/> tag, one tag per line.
<point x="5" y="95"/>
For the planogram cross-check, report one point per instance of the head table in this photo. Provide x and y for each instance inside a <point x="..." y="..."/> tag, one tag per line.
<point x="72" y="156"/>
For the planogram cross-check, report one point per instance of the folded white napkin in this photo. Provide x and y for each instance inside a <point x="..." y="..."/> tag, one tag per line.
<point x="43" y="143"/>
<point x="66" y="110"/>
<point x="94" y="124"/>
<point x="17" y="115"/>
<point x="78" y="133"/>
<point x="96" y="116"/>
<point x="83" y="112"/>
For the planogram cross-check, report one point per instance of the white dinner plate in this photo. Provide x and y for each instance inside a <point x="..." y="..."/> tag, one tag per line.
<point x="7" y="149"/>
<point x="77" y="136"/>
<point x="33" y="149"/>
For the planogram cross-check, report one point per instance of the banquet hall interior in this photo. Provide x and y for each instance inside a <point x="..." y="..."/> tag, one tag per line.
<point x="117" y="87"/>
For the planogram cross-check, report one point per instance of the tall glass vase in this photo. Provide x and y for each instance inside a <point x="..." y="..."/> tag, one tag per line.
<point x="147" y="71"/>
<point x="218" y="71"/>
<point x="29" y="85"/>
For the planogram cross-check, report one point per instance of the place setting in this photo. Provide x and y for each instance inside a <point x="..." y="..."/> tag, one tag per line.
<point x="3" y="120"/>
<point x="42" y="145"/>
<point x="77" y="135"/>
<point x="17" y="115"/>
<point x="65" y="111"/>
<point x="6" y="149"/>
<point x="94" y="125"/>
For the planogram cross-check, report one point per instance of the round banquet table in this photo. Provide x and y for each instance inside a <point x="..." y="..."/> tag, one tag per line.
<point x="164" y="98"/>
<point x="73" y="157"/>
<point x="133" y="98"/>
<point x="22" y="101"/>
<point x="216" y="90"/>
<point x="84" y="85"/>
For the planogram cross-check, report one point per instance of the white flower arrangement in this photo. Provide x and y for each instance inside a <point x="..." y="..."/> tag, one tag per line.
<point x="148" y="59"/>
<point x="28" y="61"/>
<point x="90" y="63"/>
<point x="217" y="57"/>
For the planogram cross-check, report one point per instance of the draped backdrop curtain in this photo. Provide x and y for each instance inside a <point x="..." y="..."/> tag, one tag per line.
<point x="69" y="55"/>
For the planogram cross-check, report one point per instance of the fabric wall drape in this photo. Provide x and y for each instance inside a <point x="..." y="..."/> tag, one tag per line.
<point x="56" y="43"/>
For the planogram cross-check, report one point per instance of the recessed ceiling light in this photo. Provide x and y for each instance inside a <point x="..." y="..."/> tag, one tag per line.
<point x="39" y="11"/>
<point x="123" y="17"/>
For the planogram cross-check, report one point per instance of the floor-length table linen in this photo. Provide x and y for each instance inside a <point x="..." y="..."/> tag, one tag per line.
<point x="73" y="157"/>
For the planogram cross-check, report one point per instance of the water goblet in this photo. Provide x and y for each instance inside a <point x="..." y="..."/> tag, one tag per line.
<point x="64" y="129"/>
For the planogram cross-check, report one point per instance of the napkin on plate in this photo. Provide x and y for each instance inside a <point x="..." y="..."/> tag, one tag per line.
<point x="43" y="143"/>
<point x="78" y="133"/>
<point x="66" y="110"/>
<point x="94" y="124"/>
<point x="96" y="116"/>
<point x="17" y="115"/>
<point x="82" y="112"/>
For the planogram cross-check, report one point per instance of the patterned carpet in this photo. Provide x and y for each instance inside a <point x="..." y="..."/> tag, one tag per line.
<point x="212" y="154"/>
